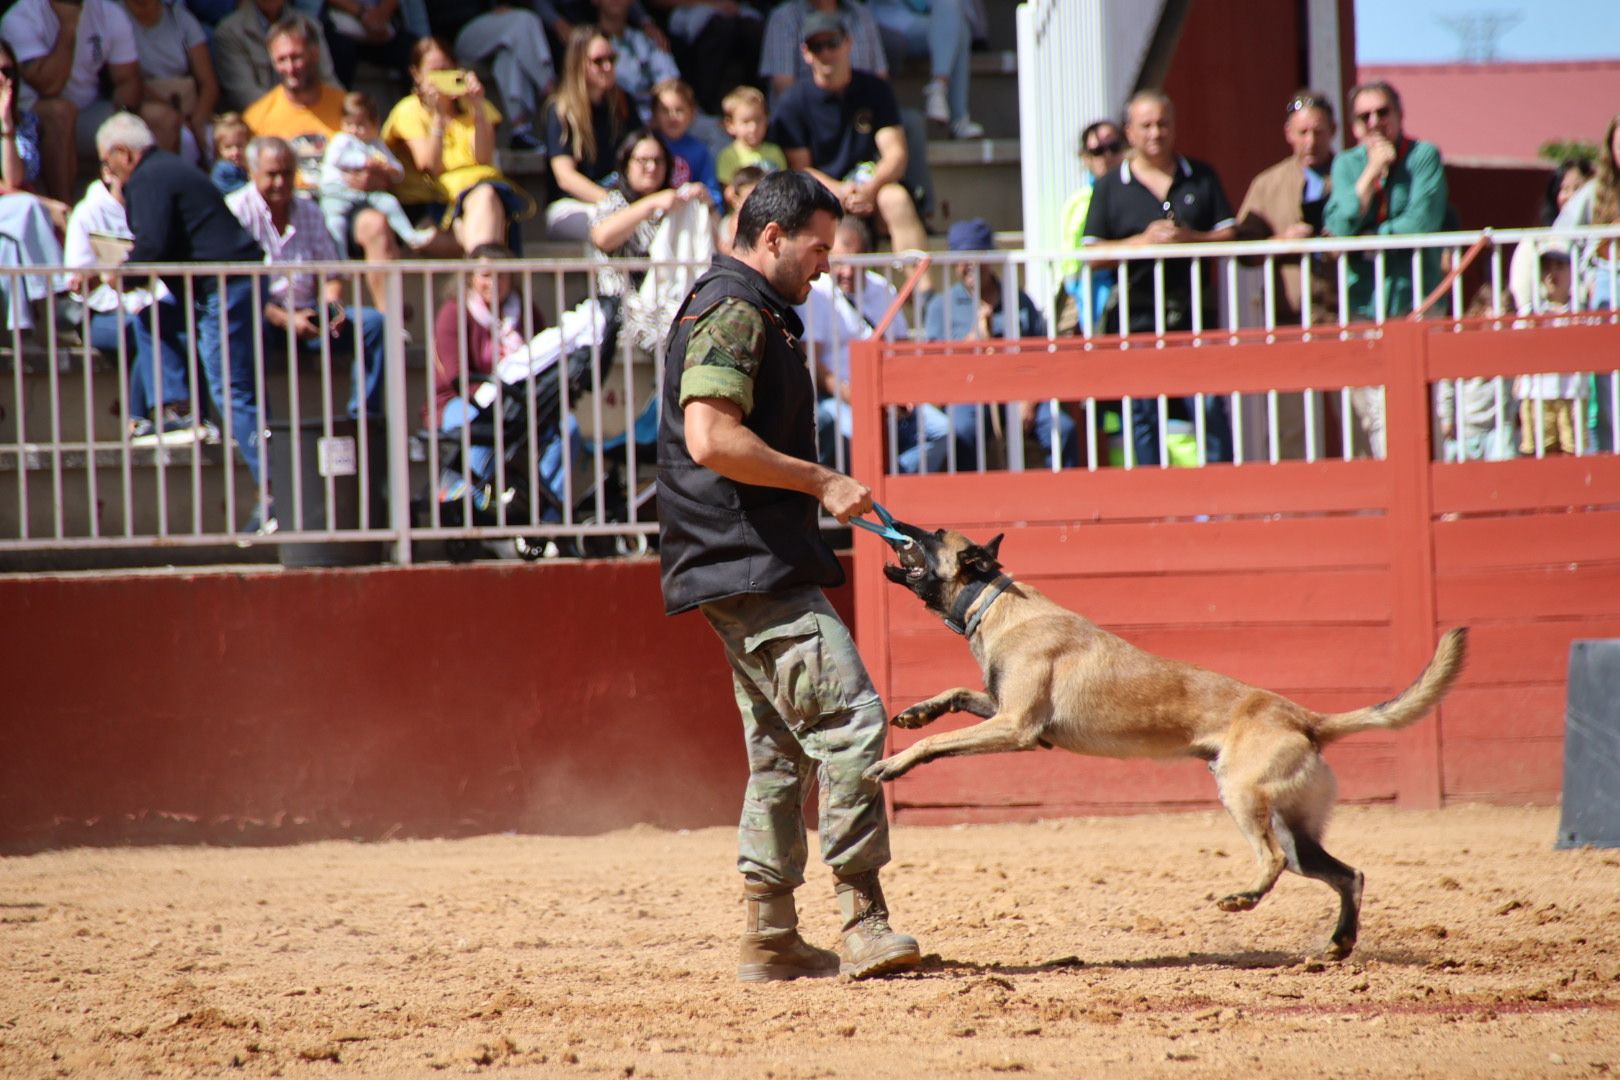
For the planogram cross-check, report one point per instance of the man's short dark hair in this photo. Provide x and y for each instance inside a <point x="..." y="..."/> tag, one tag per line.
<point x="788" y="198"/>
<point x="1090" y="131"/>
<point x="293" y="24"/>
<point x="1378" y="86"/>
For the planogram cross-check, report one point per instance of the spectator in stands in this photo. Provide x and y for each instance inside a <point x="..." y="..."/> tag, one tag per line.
<point x="242" y="52"/>
<point x="742" y="184"/>
<point x="1598" y="203"/>
<point x="302" y="109"/>
<point x="299" y="305"/>
<point x="159" y="402"/>
<point x="447" y="140"/>
<point x="1474" y="415"/>
<point x="1552" y="405"/>
<point x="642" y="216"/>
<point x="747" y="122"/>
<point x="64" y="51"/>
<point x="974" y="309"/>
<point x="780" y="60"/>
<point x="371" y="30"/>
<point x="177" y="216"/>
<point x="843" y="127"/>
<point x="1567" y="178"/>
<point x="306" y="112"/>
<point x="1286" y="201"/>
<point x="674" y="108"/>
<point x="586" y="121"/>
<point x="177" y="72"/>
<point x="939" y="30"/>
<point x="512" y="41"/>
<point x="1156" y="196"/>
<point x="1386" y="185"/>
<point x="231" y="136"/>
<point x="844" y="306"/>
<point x="642" y="63"/>
<point x="1102" y="148"/>
<point x="716" y="44"/>
<point x="347" y="154"/>
<point x="20" y="152"/>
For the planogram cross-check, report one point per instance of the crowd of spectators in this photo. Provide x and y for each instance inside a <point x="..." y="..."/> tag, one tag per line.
<point x="650" y="126"/>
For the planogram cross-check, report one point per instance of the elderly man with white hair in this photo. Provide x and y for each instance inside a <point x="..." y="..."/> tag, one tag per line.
<point x="291" y="229"/>
<point x="176" y="215"/>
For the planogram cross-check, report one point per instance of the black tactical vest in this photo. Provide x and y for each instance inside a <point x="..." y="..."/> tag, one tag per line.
<point x="718" y="538"/>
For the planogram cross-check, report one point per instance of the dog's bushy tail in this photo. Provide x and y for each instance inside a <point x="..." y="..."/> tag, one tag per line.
<point x="1412" y="703"/>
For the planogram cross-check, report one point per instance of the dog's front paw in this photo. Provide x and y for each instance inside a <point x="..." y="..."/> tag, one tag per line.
<point x="886" y="769"/>
<point x="911" y="718"/>
<point x="1238" y="902"/>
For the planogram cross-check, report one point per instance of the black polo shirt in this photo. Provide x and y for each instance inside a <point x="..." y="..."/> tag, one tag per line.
<point x="839" y="128"/>
<point x="1122" y="206"/>
<point x="177" y="215"/>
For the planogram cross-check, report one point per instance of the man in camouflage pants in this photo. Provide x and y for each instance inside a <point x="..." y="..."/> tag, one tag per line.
<point x="740" y="491"/>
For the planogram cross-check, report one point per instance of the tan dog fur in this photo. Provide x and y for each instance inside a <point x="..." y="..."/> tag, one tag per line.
<point x="1056" y="679"/>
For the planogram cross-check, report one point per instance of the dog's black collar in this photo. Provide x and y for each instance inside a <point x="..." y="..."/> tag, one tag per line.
<point x="966" y="598"/>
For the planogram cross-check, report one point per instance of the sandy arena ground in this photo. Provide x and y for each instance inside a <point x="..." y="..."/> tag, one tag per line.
<point x="1068" y="948"/>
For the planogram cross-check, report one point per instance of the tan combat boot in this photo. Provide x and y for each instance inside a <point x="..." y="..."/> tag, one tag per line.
<point x="870" y="947"/>
<point x="772" y="949"/>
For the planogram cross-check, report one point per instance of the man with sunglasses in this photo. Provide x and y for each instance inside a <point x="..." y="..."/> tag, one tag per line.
<point x="1102" y="148"/>
<point x="842" y="126"/>
<point x="1387" y="185"/>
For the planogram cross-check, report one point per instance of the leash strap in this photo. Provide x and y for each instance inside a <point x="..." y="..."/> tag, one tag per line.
<point x="886" y="530"/>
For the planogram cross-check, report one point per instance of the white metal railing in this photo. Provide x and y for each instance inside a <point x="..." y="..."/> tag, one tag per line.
<point x="560" y="453"/>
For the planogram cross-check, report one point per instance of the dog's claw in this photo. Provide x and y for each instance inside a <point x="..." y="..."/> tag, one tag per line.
<point x="909" y="719"/>
<point x="880" y="771"/>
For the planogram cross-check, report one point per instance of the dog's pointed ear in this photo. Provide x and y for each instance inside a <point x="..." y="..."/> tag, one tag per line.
<point x="982" y="557"/>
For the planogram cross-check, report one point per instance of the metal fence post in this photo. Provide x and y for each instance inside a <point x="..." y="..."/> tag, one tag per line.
<point x="399" y="438"/>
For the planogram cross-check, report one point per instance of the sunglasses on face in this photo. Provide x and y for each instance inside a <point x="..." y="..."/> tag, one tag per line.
<point x="1370" y="115"/>
<point x="1102" y="149"/>
<point x="8" y="72"/>
<point x="606" y="60"/>
<point x="823" y="44"/>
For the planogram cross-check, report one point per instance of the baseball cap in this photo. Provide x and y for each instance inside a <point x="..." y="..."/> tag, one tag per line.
<point x="972" y="234"/>
<point x="821" y="22"/>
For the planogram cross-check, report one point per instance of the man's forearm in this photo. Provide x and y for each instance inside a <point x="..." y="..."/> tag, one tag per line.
<point x="723" y="443"/>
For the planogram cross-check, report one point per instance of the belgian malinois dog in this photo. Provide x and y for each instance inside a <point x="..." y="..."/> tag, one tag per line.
<point x="1055" y="679"/>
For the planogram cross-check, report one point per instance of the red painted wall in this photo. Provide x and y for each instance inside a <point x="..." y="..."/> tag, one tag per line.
<point x="277" y="706"/>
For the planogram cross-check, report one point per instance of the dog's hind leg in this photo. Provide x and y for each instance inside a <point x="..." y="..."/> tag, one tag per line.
<point x="961" y="699"/>
<point x="1251" y="811"/>
<point x="1313" y="861"/>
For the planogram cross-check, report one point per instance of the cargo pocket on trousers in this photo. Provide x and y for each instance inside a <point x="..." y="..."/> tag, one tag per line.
<point x="804" y="683"/>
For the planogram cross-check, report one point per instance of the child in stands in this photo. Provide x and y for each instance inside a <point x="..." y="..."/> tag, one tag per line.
<point x="231" y="137"/>
<point x="356" y="146"/>
<point x="743" y="182"/>
<point x="746" y="122"/>
<point x="1551" y="405"/>
<point x="674" y="107"/>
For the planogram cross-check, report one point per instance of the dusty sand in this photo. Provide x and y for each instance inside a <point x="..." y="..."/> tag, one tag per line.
<point x="1061" y="948"/>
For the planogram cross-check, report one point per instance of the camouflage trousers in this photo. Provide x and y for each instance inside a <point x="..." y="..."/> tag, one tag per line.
<point x="806" y="701"/>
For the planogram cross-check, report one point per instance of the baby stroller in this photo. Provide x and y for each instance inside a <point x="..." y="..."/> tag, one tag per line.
<point x="491" y="474"/>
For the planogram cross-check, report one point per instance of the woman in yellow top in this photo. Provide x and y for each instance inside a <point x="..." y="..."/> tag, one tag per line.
<point x="444" y="134"/>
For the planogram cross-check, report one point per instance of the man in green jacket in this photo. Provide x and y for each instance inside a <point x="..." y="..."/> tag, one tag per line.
<point x="1387" y="185"/>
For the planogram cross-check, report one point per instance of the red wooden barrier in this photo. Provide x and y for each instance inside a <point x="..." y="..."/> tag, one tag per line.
<point x="1329" y="581"/>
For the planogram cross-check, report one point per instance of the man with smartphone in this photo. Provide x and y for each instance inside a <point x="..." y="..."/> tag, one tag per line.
<point x="305" y="309"/>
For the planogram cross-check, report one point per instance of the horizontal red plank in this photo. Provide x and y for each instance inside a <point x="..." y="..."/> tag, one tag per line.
<point x="1532" y="769"/>
<point x="1329" y="596"/>
<point x="1114" y="547"/>
<point x="1526" y="540"/>
<point x="1072" y="371"/>
<point x="1527" y="651"/>
<point x="1554" y="483"/>
<point x="1282" y="658"/>
<point x="1589" y="590"/>
<point x="985" y="503"/>
<point x="1504" y="712"/>
<point x="1487" y="353"/>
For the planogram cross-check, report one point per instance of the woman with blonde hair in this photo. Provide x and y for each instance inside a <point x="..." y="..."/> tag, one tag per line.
<point x="585" y="121"/>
